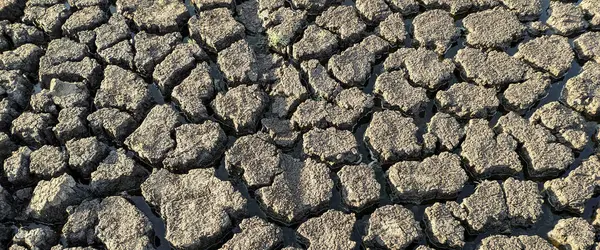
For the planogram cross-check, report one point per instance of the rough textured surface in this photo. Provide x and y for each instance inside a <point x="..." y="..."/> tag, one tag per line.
<point x="392" y="137"/>
<point x="393" y="227"/>
<point x="493" y="28"/>
<point x="435" y="29"/>
<point x="359" y="185"/>
<point x="552" y="54"/>
<point x="337" y="228"/>
<point x="424" y="67"/>
<point x="572" y="233"/>
<point x="467" y="100"/>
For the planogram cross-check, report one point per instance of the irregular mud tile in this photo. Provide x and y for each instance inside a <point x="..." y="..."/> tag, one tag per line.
<point x="281" y="131"/>
<point x="84" y="19"/>
<point x="150" y="50"/>
<point x="133" y="96"/>
<point x="552" y="54"/>
<point x="122" y="225"/>
<point x="524" y="202"/>
<point x="572" y="193"/>
<point x="25" y="58"/>
<point x="566" y="18"/>
<point x="569" y="126"/>
<point x="256" y="233"/>
<point x="579" y="92"/>
<point x="443" y="228"/>
<point x="87" y="3"/>
<point x="301" y="189"/>
<point x="152" y="139"/>
<point x="247" y="14"/>
<point x="466" y="100"/>
<point x="331" y="230"/>
<point x="6" y="146"/>
<point x="312" y="114"/>
<point x="499" y="157"/>
<point x="527" y="10"/>
<point x="239" y="63"/>
<point x="591" y="9"/>
<point x="373" y="11"/>
<point x="118" y="172"/>
<point x="499" y="242"/>
<point x="331" y="146"/>
<point x="392" y="227"/>
<point x="71" y="124"/>
<point x="121" y="54"/>
<point x="435" y="29"/>
<point x="211" y="4"/>
<point x="436" y="177"/>
<point x="376" y="46"/>
<point x="202" y="29"/>
<point x="241" y="107"/>
<point x="461" y="7"/>
<point x="81" y="222"/>
<point x="491" y="69"/>
<point x="572" y="233"/>
<point x="161" y="17"/>
<point x="36" y="236"/>
<point x="21" y="34"/>
<point x="48" y="162"/>
<point x="392" y="29"/>
<point x="344" y="21"/>
<point x="33" y="129"/>
<point x="51" y="199"/>
<point x="287" y="92"/>
<point x="198" y="208"/>
<point x="316" y="43"/>
<point x="88" y="70"/>
<point x="111" y="33"/>
<point x="111" y="124"/>
<point x="359" y="186"/>
<point x="194" y="91"/>
<point x="69" y="94"/>
<point x="85" y="154"/>
<point x="545" y="157"/>
<point x="425" y="68"/>
<point x="16" y="167"/>
<point x="255" y="159"/>
<point x="486" y="208"/>
<point x="587" y="46"/>
<point x="446" y="130"/>
<point x="392" y="137"/>
<point x="352" y="66"/>
<point x="405" y="7"/>
<point x="283" y="25"/>
<point x="519" y="97"/>
<point x="495" y="28"/>
<point x="198" y="145"/>
<point x="176" y="66"/>
<point x="396" y="91"/>
<point x="351" y="105"/>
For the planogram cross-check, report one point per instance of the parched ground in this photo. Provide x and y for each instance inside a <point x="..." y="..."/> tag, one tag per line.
<point x="299" y="124"/>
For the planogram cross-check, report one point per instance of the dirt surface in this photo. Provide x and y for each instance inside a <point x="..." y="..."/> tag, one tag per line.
<point x="299" y="124"/>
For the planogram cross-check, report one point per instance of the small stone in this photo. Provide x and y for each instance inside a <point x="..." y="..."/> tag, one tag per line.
<point x="51" y="199"/>
<point x="524" y="202"/>
<point x="84" y="19"/>
<point x="238" y="63"/>
<point x="579" y="92"/>
<point x="437" y="177"/>
<point x="552" y="54"/>
<point x="359" y="186"/>
<point x="443" y="228"/>
<point x="587" y="46"/>
<point x="118" y="172"/>
<point x="373" y="10"/>
<point x="16" y="167"/>
<point x="25" y="58"/>
<point x="435" y="29"/>
<point x="316" y="43"/>
<point x="255" y="233"/>
<point x="202" y="29"/>
<point x="85" y="154"/>
<point x="36" y="236"/>
<point x="392" y="227"/>
<point x="111" y="124"/>
<point x="161" y="17"/>
<point x="572" y="233"/>
<point x="194" y="91"/>
<point x="283" y="25"/>
<point x="196" y="216"/>
<point x="396" y="91"/>
<point x="152" y="49"/>
<point x="499" y="157"/>
<point x="527" y="10"/>
<point x="331" y="146"/>
<point x="198" y="145"/>
<point x="566" y="18"/>
<point x="133" y="97"/>
<point x="241" y="107"/>
<point x="425" y="68"/>
<point x="344" y="21"/>
<point x="448" y="132"/>
<point x="486" y="208"/>
<point x="392" y="137"/>
<point x="33" y="129"/>
<point x="48" y="162"/>
<point x="331" y="230"/>
<point x="301" y="189"/>
<point x="122" y="225"/>
<point x="392" y="29"/>
<point x="493" y="28"/>
<point x="519" y="97"/>
<point x="466" y="100"/>
<point x="152" y="139"/>
<point x="491" y="69"/>
<point x="176" y="66"/>
<point x="281" y="131"/>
